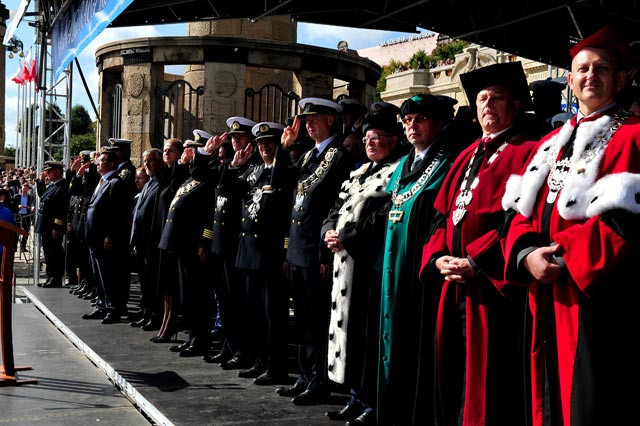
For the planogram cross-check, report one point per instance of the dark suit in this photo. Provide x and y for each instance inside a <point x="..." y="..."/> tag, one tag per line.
<point x="52" y="215"/>
<point x="107" y="217"/>
<point x="146" y="255"/>
<point x="232" y="297"/>
<point x="265" y="219"/>
<point x="311" y="295"/>
<point x="183" y="235"/>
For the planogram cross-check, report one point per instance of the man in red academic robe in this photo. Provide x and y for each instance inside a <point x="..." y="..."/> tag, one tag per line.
<point x="574" y="242"/>
<point x="479" y="375"/>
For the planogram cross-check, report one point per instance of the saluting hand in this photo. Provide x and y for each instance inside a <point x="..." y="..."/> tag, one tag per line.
<point x="187" y="156"/>
<point x="75" y="166"/>
<point x="215" y="142"/>
<point x="290" y="133"/>
<point x="241" y="157"/>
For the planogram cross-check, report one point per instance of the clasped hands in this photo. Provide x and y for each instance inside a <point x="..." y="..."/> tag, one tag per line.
<point x="456" y="269"/>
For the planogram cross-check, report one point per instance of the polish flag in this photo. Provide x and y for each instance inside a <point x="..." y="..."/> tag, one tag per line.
<point x="17" y="76"/>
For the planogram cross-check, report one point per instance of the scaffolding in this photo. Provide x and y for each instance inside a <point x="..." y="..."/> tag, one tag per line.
<point x="44" y="129"/>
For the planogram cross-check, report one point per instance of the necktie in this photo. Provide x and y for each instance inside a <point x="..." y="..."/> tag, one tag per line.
<point x="100" y="182"/>
<point x="417" y="163"/>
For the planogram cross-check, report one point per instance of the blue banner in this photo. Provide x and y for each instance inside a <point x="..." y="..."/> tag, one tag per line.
<point x="78" y="25"/>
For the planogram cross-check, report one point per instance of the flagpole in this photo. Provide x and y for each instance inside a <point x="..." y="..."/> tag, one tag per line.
<point x="18" y="150"/>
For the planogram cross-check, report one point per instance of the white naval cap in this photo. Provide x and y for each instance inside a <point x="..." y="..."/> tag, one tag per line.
<point x="318" y="106"/>
<point x="267" y="129"/>
<point x="240" y="125"/>
<point x="201" y="135"/>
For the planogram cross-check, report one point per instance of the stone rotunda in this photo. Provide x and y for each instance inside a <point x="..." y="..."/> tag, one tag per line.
<point x="231" y="67"/>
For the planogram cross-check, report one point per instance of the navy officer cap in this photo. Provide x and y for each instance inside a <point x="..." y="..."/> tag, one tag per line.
<point x="239" y="125"/>
<point x="267" y="129"/>
<point x="311" y="106"/>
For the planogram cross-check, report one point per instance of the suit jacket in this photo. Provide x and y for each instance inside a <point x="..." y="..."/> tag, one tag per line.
<point x="143" y="214"/>
<point x="227" y="214"/>
<point x="265" y="215"/>
<point x="310" y="210"/>
<point x="17" y="200"/>
<point x="108" y="213"/>
<point x="54" y="204"/>
<point x="188" y="216"/>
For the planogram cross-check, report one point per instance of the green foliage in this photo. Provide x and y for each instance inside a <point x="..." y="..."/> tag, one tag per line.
<point x="80" y="121"/>
<point x="420" y="60"/>
<point x="10" y="151"/>
<point x="448" y="52"/>
<point x="390" y="68"/>
<point x="83" y="142"/>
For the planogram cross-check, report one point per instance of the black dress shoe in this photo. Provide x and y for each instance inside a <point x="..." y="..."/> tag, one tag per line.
<point x="139" y="323"/>
<point x="97" y="314"/>
<point x="111" y="319"/>
<point x="193" y="350"/>
<point x="366" y="418"/>
<point x="180" y="348"/>
<point x="311" y="397"/>
<point x="291" y="391"/>
<point x="348" y="412"/>
<point x="236" y="363"/>
<point x="253" y="372"/>
<point x="218" y="359"/>
<point x="151" y="325"/>
<point x="268" y="379"/>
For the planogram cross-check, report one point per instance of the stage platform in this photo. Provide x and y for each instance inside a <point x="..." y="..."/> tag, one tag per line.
<point x="165" y="388"/>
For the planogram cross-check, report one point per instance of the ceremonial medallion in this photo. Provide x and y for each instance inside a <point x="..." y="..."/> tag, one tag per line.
<point x="556" y="178"/>
<point x="220" y="202"/>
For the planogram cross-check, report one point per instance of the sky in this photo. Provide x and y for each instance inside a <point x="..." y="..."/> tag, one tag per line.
<point x="312" y="34"/>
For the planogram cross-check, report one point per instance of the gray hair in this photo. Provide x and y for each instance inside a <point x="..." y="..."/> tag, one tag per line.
<point x="155" y="151"/>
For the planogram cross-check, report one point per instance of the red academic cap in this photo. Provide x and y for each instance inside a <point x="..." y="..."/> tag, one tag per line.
<point x="607" y="38"/>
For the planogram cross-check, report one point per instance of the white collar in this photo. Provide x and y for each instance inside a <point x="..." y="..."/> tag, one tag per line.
<point x="323" y="145"/>
<point x="606" y="107"/>
<point x="421" y="155"/>
<point x="106" y="175"/>
<point x="496" y="134"/>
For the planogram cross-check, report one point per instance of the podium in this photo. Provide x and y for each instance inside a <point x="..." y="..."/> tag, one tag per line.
<point x="8" y="369"/>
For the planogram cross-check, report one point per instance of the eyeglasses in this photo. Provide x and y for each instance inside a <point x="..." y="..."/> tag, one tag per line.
<point x="374" y="138"/>
<point x="418" y="119"/>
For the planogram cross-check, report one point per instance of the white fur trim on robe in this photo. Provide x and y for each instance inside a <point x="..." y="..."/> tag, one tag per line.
<point x="583" y="195"/>
<point x="355" y="196"/>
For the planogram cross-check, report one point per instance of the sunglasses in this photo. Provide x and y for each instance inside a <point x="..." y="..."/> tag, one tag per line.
<point x="418" y="119"/>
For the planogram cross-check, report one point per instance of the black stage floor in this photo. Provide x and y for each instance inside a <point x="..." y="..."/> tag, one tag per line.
<point x="165" y="387"/>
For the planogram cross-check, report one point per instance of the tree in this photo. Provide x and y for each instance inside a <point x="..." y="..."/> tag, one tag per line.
<point x="83" y="142"/>
<point x="381" y="85"/>
<point x="80" y="121"/>
<point x="9" y="151"/>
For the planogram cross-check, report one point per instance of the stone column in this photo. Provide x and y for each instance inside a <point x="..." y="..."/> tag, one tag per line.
<point x="312" y="84"/>
<point x="106" y="82"/>
<point x="223" y="94"/>
<point x="139" y="83"/>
